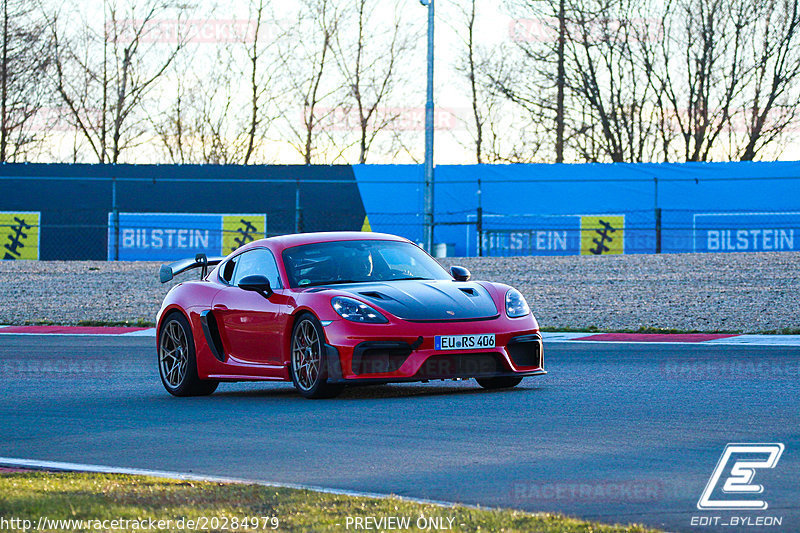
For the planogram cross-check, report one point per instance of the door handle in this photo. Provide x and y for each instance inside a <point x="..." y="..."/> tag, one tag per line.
<point x="220" y="307"/>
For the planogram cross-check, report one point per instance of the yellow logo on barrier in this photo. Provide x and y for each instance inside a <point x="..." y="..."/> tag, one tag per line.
<point x="602" y="235"/>
<point x="19" y="235"/>
<point x="238" y="230"/>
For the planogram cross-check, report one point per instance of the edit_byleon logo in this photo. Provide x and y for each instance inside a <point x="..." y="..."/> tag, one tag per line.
<point x="739" y="462"/>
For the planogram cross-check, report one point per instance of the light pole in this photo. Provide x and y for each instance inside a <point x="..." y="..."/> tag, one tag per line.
<point x="428" y="202"/>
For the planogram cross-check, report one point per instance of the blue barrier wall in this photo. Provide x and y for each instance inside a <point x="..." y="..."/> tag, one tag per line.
<point x="514" y="198"/>
<point x="78" y="211"/>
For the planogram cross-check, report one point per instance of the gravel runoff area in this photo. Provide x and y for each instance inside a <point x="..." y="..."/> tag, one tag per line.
<point x="747" y="292"/>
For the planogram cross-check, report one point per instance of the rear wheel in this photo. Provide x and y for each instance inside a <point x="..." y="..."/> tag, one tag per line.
<point x="498" y="383"/>
<point x="309" y="364"/>
<point x="177" y="363"/>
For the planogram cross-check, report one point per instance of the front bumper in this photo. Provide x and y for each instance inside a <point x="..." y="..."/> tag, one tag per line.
<point x="368" y="353"/>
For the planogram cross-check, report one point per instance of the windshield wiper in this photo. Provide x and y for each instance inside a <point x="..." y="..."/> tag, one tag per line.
<point x="410" y="278"/>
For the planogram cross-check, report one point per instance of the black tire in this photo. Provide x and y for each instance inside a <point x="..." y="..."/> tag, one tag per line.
<point x="498" y="383"/>
<point x="176" y="336"/>
<point x="309" y="383"/>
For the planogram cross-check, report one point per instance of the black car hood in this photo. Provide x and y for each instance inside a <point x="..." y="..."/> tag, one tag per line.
<point x="426" y="300"/>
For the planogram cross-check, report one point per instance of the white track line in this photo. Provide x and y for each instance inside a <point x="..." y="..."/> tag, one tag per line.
<point x="738" y="340"/>
<point x="11" y="462"/>
<point x="131" y="334"/>
<point x="758" y="340"/>
<point x="150" y="332"/>
<point x="563" y="336"/>
<point x="719" y="342"/>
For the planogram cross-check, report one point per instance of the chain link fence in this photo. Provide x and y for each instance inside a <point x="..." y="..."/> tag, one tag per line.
<point x="71" y="234"/>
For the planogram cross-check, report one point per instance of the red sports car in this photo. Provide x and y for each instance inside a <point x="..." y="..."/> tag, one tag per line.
<point x="329" y="309"/>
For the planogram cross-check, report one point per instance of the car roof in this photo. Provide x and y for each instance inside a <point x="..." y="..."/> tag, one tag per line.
<point x="298" y="239"/>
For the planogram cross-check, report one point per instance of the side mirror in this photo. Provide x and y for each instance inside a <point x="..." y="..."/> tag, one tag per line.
<point x="256" y="283"/>
<point x="460" y="273"/>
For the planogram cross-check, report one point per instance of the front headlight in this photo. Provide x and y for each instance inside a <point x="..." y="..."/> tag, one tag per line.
<point x="356" y="311"/>
<point x="516" y="306"/>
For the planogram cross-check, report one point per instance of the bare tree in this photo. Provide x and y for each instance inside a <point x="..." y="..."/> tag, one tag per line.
<point x="578" y="80"/>
<point x="531" y="74"/>
<point x="263" y="64"/>
<point x="609" y="82"/>
<point x="578" y="73"/>
<point x="727" y="75"/>
<point x="171" y="127"/>
<point x="469" y="68"/>
<point x="770" y="98"/>
<point x="211" y="119"/>
<point x="703" y="70"/>
<point x="24" y="61"/>
<point x="104" y="76"/>
<point x="518" y="123"/>
<point x="487" y="69"/>
<point x="193" y="128"/>
<point x="370" y="60"/>
<point x="205" y="121"/>
<point x="307" y="64"/>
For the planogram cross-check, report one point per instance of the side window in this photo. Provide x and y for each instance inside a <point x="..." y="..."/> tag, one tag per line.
<point x="258" y="261"/>
<point x="228" y="268"/>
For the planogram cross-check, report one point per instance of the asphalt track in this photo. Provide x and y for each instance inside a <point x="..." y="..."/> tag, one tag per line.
<point x="615" y="432"/>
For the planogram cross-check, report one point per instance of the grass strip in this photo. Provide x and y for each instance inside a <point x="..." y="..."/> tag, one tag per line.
<point x="98" y="497"/>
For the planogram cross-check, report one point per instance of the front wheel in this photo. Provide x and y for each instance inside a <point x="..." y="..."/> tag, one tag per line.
<point x="177" y="362"/>
<point x="498" y="383"/>
<point x="309" y="364"/>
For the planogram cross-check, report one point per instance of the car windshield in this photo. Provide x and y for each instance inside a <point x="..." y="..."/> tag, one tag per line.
<point x="327" y="263"/>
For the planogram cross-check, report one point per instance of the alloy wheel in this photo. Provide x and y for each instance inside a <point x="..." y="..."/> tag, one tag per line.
<point x="174" y="354"/>
<point x="306" y="355"/>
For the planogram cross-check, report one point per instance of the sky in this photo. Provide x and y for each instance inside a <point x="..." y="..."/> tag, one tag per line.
<point x="452" y="99"/>
<point x="451" y="92"/>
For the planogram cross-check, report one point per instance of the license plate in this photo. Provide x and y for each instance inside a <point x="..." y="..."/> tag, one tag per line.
<point x="464" y="342"/>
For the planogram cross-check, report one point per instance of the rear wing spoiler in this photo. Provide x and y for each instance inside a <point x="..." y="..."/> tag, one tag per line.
<point x="167" y="272"/>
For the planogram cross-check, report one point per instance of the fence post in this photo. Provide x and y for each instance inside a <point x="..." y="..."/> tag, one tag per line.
<point x="297" y="224"/>
<point x="115" y="216"/>
<point x="657" y="213"/>
<point x="479" y="227"/>
<point x="658" y="230"/>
